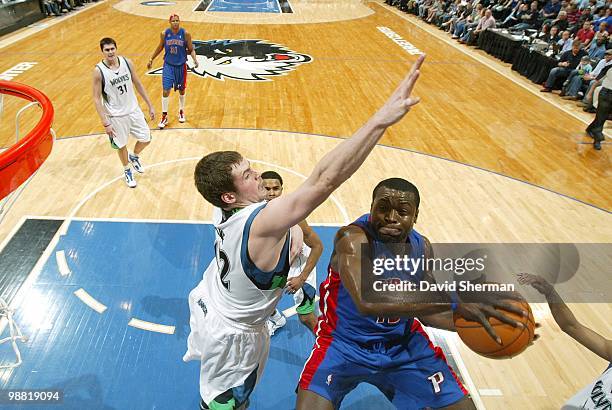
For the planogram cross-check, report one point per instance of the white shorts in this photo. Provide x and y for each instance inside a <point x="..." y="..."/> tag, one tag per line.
<point x="229" y="354"/>
<point x="134" y="123"/>
<point x="304" y="298"/>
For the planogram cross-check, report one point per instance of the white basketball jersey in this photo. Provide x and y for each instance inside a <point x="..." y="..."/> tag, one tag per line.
<point x="596" y="396"/>
<point x="118" y="94"/>
<point x="235" y="288"/>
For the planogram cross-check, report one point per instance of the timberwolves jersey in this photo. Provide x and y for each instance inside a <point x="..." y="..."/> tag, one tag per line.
<point x="118" y="94"/>
<point x="597" y="395"/>
<point x="235" y="288"/>
<point x="341" y="318"/>
<point x="175" y="47"/>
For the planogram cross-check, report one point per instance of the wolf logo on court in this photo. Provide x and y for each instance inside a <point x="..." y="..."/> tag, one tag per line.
<point x="245" y="60"/>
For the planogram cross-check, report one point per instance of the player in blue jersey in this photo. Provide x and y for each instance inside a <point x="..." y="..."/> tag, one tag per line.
<point x="381" y="343"/>
<point x="176" y="42"/>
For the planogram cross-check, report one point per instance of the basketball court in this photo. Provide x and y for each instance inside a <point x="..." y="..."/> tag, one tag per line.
<point x="97" y="275"/>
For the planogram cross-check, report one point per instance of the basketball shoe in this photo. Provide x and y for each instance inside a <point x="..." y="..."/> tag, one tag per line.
<point x="129" y="178"/>
<point x="275" y="322"/>
<point x="163" y="122"/>
<point x="135" y="161"/>
<point x="181" y="116"/>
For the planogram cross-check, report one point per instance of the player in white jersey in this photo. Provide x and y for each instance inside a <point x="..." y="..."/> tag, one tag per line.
<point x="302" y="279"/>
<point x="597" y="395"/>
<point x="241" y="288"/>
<point x="114" y="80"/>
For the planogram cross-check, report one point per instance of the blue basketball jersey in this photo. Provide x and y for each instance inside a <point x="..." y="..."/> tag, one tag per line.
<point x="341" y="318"/>
<point x="175" y="46"/>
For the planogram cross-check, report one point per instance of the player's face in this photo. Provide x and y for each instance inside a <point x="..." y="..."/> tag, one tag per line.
<point x="393" y="214"/>
<point x="109" y="51"/>
<point x="175" y="23"/>
<point x="248" y="182"/>
<point x="273" y="188"/>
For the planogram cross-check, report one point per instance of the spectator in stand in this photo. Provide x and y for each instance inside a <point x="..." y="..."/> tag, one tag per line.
<point x="573" y="15"/>
<point x="597" y="48"/>
<point x="587" y="101"/>
<point x="529" y="20"/>
<point x="486" y="22"/>
<point x="585" y="16"/>
<point x="550" y="36"/>
<point x="551" y="10"/>
<point x="602" y="27"/>
<point x="604" y="17"/>
<point x="565" y="42"/>
<point x="561" y="21"/>
<point x="585" y="34"/>
<point x="470" y="22"/>
<point x="515" y="16"/>
<point x="576" y="77"/>
<point x="567" y="62"/>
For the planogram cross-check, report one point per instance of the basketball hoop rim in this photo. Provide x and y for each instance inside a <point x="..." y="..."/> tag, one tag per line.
<point x="24" y="157"/>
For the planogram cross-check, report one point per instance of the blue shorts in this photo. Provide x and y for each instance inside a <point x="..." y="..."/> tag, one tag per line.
<point x="174" y="76"/>
<point x="411" y="373"/>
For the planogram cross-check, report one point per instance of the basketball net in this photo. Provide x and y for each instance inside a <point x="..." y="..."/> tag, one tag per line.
<point x="6" y="320"/>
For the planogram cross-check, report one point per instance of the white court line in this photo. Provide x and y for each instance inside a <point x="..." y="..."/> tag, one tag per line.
<point x="292" y="310"/>
<point x="89" y="300"/>
<point x="450" y="338"/>
<point x="62" y="264"/>
<point x="490" y="392"/>
<point x="484" y="62"/>
<point x="151" y="327"/>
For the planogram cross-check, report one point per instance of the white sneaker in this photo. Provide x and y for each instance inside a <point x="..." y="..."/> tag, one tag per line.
<point x="129" y="178"/>
<point x="135" y="161"/>
<point x="275" y="322"/>
<point x="181" y="116"/>
<point x="163" y="122"/>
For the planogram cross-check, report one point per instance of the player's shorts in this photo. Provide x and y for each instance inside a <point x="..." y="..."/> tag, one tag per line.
<point x="232" y="356"/>
<point x="411" y="372"/>
<point x="305" y="297"/>
<point x="133" y="123"/>
<point x="174" y="76"/>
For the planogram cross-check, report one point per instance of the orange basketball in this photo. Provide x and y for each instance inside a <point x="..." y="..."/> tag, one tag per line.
<point x="514" y="339"/>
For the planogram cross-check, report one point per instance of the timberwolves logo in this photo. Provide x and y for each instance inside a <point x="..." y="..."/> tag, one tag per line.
<point x="246" y="60"/>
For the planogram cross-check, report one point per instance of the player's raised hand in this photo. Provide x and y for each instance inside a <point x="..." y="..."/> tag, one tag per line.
<point x="401" y="101"/>
<point x="539" y="283"/>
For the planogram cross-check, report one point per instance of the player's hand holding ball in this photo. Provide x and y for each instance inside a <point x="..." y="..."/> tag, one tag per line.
<point x="499" y="326"/>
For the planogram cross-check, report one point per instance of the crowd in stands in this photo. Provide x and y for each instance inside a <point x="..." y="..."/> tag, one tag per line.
<point x="59" y="7"/>
<point x="575" y="32"/>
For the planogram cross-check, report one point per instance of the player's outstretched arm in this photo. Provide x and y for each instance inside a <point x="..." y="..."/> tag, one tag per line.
<point x="337" y="165"/>
<point x="566" y="320"/>
<point x="140" y="88"/>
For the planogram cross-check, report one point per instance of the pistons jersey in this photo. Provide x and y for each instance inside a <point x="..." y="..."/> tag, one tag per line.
<point x="235" y="288"/>
<point x="340" y="317"/>
<point x="175" y="46"/>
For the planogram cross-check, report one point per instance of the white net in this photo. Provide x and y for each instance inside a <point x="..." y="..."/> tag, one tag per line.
<point x="15" y="335"/>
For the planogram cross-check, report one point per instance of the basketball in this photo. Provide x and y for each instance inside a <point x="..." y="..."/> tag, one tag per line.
<point x="514" y="339"/>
